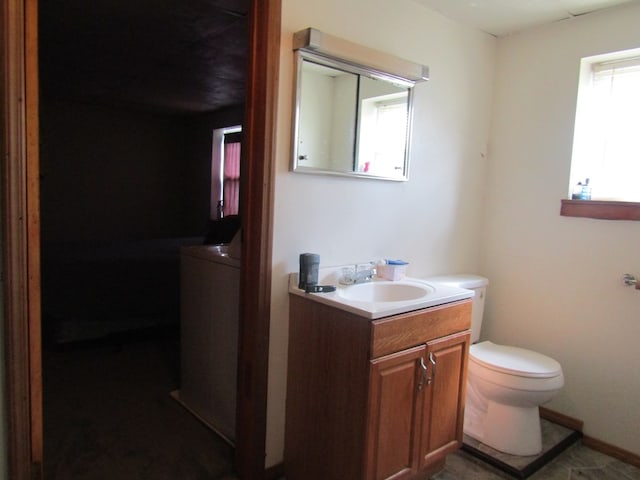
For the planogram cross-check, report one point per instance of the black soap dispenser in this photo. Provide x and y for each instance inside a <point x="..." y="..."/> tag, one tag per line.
<point x="309" y="264"/>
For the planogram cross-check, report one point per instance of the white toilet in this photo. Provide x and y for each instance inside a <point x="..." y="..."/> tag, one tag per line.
<point x="505" y="385"/>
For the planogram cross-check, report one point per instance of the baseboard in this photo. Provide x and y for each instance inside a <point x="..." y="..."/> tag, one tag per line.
<point x="611" y="450"/>
<point x="593" y="443"/>
<point x="561" y="419"/>
<point x="175" y="394"/>
<point x="275" y="472"/>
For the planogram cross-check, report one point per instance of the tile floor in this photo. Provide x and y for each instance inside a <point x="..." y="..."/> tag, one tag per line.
<point x="576" y="463"/>
<point x="555" y="439"/>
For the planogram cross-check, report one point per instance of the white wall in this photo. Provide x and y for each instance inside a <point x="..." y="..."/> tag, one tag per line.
<point x="556" y="282"/>
<point x="433" y="220"/>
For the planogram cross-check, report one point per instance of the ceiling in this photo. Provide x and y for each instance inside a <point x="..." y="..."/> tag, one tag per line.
<point x="164" y="55"/>
<point x="186" y="56"/>
<point x="502" y="17"/>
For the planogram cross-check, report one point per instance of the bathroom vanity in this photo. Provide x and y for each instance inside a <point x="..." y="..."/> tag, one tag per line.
<point x="374" y="398"/>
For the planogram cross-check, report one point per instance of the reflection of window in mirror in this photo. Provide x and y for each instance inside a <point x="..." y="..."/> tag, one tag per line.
<point x="225" y="172"/>
<point x="384" y="123"/>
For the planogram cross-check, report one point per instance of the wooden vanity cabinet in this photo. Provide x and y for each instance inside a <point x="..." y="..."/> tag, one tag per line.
<point x="374" y="399"/>
<point x="416" y="408"/>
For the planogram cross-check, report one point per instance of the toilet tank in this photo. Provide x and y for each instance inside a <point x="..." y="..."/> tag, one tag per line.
<point x="471" y="282"/>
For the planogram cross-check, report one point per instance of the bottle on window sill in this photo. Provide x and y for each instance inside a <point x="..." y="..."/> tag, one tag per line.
<point x="582" y="191"/>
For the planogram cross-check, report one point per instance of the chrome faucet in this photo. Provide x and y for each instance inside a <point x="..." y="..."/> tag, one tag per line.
<point x="358" y="273"/>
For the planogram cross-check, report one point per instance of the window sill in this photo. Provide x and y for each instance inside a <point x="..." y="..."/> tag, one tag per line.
<point x="601" y="209"/>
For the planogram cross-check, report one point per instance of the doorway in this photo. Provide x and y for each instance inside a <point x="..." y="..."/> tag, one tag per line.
<point x="23" y="441"/>
<point x="126" y="96"/>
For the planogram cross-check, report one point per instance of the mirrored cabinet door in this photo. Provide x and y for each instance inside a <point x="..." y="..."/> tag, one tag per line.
<point x="327" y="118"/>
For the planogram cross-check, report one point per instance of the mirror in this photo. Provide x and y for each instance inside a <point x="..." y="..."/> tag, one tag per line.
<point x="326" y="123"/>
<point x="350" y="119"/>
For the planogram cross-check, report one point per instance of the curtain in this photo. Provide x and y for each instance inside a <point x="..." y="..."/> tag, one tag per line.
<point x="231" y="181"/>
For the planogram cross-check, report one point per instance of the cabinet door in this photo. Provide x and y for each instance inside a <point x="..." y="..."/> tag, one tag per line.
<point x="443" y="407"/>
<point x="395" y="403"/>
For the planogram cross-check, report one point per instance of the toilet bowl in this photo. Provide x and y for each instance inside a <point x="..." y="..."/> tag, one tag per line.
<point x="505" y="384"/>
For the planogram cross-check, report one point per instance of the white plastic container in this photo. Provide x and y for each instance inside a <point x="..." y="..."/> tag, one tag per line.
<point x="391" y="272"/>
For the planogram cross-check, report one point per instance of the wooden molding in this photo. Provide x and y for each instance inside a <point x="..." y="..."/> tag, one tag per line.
<point x="561" y="419"/>
<point x="21" y="271"/>
<point x="600" y="209"/>
<point x="256" y="205"/>
<point x="34" y="290"/>
<point x="593" y="443"/>
<point x="611" y="450"/>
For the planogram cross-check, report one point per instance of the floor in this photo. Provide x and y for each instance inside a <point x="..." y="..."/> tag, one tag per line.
<point x="576" y="463"/>
<point x="555" y="439"/>
<point x="108" y="415"/>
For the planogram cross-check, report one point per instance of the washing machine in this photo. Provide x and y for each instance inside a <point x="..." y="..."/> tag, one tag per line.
<point x="209" y="298"/>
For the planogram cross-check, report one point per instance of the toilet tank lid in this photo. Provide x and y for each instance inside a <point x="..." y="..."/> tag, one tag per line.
<point x="461" y="280"/>
<point x="514" y="360"/>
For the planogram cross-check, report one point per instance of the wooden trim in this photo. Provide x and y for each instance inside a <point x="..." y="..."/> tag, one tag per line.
<point x="256" y="204"/>
<point x="611" y="450"/>
<point x="593" y="443"/>
<point x="561" y="419"/>
<point x="21" y="271"/>
<point x="32" y="121"/>
<point x="600" y="209"/>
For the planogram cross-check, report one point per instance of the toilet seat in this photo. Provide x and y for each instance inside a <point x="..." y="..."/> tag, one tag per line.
<point x="515" y="361"/>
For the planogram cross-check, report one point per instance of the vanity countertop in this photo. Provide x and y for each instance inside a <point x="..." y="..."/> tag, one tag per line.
<point x="429" y="294"/>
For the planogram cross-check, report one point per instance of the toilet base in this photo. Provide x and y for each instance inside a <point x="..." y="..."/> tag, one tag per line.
<point x="508" y="429"/>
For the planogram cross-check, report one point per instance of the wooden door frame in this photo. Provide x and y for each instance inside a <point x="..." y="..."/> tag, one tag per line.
<point x="21" y="241"/>
<point x="21" y="238"/>
<point x="257" y="185"/>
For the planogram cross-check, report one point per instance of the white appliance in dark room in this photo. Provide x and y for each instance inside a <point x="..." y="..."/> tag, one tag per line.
<point x="209" y="297"/>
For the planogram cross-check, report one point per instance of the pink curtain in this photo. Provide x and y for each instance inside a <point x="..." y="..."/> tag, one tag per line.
<point x="231" y="185"/>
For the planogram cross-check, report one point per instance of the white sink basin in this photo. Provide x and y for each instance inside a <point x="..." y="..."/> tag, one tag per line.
<point x="380" y="298"/>
<point x="385" y="292"/>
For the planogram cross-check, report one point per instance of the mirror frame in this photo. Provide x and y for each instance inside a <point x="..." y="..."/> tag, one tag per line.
<point x="314" y="46"/>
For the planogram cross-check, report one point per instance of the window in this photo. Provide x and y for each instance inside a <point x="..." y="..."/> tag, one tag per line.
<point x="606" y="148"/>
<point x="225" y="172"/>
<point x="383" y="134"/>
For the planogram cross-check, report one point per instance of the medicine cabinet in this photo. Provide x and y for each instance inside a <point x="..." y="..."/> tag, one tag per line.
<point x="353" y="108"/>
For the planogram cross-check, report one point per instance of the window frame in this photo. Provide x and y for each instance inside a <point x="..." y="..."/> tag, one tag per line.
<point x="600" y="208"/>
<point x="217" y="166"/>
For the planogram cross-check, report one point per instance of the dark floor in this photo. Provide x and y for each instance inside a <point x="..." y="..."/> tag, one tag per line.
<point x="108" y="415"/>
